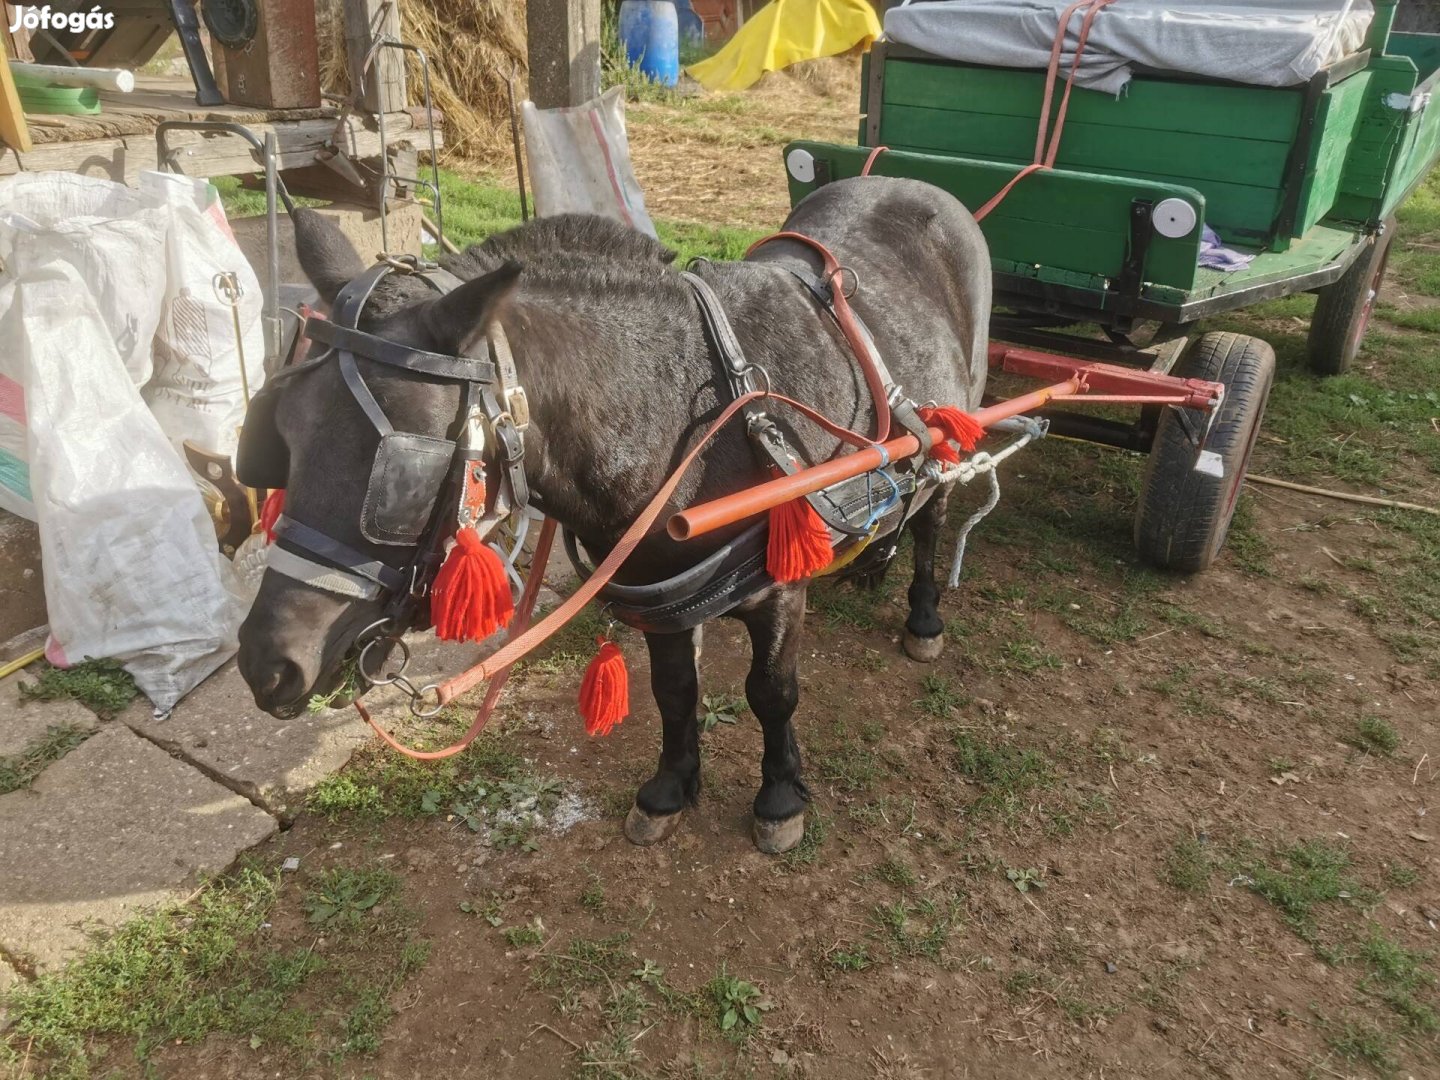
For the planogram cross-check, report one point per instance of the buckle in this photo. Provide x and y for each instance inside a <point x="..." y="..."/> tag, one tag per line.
<point x="519" y="408"/>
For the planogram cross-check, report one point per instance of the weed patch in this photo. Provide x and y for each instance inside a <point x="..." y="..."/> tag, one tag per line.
<point x="21" y="770"/>
<point x="102" y="686"/>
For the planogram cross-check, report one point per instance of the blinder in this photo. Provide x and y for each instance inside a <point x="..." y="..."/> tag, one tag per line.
<point x="405" y="484"/>
<point x="262" y="459"/>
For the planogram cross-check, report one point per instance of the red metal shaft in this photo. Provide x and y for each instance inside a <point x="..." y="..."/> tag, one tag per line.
<point x="716" y="514"/>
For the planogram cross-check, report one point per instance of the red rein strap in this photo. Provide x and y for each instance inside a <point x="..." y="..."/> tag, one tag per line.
<point x="1044" y="156"/>
<point x="849" y="326"/>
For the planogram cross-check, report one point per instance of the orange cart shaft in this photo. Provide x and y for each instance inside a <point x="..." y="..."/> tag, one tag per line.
<point x="716" y="514"/>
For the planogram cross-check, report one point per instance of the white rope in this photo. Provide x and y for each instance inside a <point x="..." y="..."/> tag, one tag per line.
<point x="973" y="520"/>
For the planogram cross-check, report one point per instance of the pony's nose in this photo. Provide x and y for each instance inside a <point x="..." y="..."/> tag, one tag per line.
<point x="276" y="682"/>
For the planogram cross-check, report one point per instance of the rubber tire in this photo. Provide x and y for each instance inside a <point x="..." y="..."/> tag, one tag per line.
<point x="1343" y="310"/>
<point x="1184" y="515"/>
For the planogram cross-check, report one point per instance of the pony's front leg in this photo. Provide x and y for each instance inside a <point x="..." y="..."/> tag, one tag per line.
<point x="773" y="690"/>
<point x="675" y="680"/>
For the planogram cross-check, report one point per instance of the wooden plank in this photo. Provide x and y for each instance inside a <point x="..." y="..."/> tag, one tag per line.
<point x="1415" y="158"/>
<point x="107" y="158"/>
<point x="222" y="155"/>
<point x="1340" y="111"/>
<point x="1064" y="220"/>
<point x="1244" y="209"/>
<point x="1089" y="147"/>
<point x="1321" y="246"/>
<point x="13" y="131"/>
<point x="383" y="89"/>
<point x="1257" y="113"/>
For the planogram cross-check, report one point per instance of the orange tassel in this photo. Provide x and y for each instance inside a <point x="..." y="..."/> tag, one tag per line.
<point x="270" y="512"/>
<point x="471" y="597"/>
<point x="958" y="427"/>
<point x="799" y="542"/>
<point x="605" y="690"/>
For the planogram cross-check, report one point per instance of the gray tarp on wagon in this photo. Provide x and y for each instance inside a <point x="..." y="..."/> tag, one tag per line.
<point x="1264" y="44"/>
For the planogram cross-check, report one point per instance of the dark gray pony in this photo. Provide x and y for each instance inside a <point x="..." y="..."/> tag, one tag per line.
<point x="621" y="379"/>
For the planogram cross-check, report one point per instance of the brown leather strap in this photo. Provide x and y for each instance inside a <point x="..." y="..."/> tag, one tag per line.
<point x="849" y="325"/>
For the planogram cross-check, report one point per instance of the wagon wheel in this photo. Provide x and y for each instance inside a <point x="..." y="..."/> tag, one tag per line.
<point x="1342" y="310"/>
<point x="1184" y="515"/>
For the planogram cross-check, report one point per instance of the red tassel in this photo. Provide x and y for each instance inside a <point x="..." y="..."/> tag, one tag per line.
<point x="799" y="542"/>
<point x="471" y="596"/>
<point x="270" y="512"/>
<point x="605" y="690"/>
<point x="958" y="427"/>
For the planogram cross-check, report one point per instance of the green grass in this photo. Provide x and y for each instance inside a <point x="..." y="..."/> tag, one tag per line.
<point x="102" y="686"/>
<point x="918" y="928"/>
<point x="212" y="967"/>
<point x="1304" y="876"/>
<point x="851" y="957"/>
<point x="1399" y="977"/>
<point x="1374" y="736"/>
<point x="21" y="770"/>
<point x="476" y="208"/>
<point x="1003" y="771"/>
<point x="379" y="784"/>
<point x="1187" y="866"/>
<point x="342" y="897"/>
<point x="939" y="697"/>
<point x="1363" y="1042"/>
<point x="806" y="853"/>
<point x="896" y="872"/>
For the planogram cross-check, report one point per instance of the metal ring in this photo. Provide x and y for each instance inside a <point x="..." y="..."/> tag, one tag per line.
<point x="840" y="272"/>
<point x="751" y="368"/>
<point x="419" y="696"/>
<point x="396" y="676"/>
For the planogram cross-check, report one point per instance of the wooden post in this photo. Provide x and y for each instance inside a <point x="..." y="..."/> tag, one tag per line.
<point x="366" y="20"/>
<point x="13" y="130"/>
<point x="564" y="51"/>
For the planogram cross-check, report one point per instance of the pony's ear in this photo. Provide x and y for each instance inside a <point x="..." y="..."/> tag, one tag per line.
<point x="326" y="254"/>
<point x="461" y="317"/>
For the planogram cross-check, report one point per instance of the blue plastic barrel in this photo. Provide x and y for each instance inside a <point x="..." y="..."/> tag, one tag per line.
<point x="692" y="27"/>
<point x="650" y="30"/>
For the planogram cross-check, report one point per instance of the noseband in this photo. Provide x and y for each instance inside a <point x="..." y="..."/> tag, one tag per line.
<point x="421" y="488"/>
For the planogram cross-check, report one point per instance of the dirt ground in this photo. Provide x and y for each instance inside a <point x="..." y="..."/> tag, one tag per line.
<point x="1130" y="825"/>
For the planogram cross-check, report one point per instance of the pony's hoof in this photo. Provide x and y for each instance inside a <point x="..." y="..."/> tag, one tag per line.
<point x="646" y="829"/>
<point x="777" y="837"/>
<point x="925" y="650"/>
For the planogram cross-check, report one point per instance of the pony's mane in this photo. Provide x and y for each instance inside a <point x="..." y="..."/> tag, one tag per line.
<point x="574" y="251"/>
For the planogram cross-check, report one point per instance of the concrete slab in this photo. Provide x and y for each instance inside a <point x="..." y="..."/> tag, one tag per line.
<point x="271" y="762"/>
<point x="22" y="723"/>
<point x="115" y="827"/>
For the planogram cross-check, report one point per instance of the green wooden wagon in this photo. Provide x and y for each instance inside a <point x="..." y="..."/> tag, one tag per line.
<point x="1306" y="178"/>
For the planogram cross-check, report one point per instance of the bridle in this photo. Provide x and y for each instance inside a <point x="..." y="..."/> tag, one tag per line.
<point x="421" y="488"/>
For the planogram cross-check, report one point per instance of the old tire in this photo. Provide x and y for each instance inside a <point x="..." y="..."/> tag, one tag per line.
<point x="1184" y="515"/>
<point x="1343" y="310"/>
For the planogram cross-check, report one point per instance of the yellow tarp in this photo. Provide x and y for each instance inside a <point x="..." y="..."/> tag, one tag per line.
<point x="785" y="32"/>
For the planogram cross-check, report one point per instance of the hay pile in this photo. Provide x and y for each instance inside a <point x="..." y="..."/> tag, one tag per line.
<point x="473" y="46"/>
